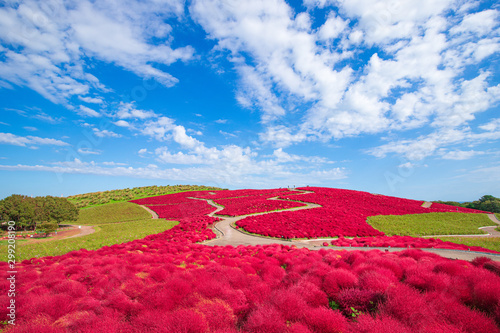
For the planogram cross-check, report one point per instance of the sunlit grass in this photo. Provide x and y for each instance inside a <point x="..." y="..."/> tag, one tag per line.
<point x="112" y="213"/>
<point x="430" y="224"/>
<point x="492" y="243"/>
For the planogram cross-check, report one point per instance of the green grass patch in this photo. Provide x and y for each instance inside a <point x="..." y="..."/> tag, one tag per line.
<point x="105" y="235"/>
<point x="112" y="213"/>
<point x="430" y="224"/>
<point x="492" y="243"/>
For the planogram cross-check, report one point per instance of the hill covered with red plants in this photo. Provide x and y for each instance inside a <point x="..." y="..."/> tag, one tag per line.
<point x="169" y="283"/>
<point x="343" y="213"/>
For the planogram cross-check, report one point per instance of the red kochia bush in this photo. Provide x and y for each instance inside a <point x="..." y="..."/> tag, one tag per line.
<point x="265" y="318"/>
<point x="325" y="320"/>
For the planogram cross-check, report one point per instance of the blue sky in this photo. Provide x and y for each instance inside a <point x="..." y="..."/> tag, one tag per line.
<point x="393" y="97"/>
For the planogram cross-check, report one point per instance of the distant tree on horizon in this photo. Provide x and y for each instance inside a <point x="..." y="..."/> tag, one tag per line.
<point x="487" y="203"/>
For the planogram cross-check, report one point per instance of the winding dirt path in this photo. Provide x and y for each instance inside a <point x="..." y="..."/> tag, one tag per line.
<point x="84" y="231"/>
<point x="152" y="212"/>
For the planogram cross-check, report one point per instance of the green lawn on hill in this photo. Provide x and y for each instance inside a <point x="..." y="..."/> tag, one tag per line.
<point x="430" y="224"/>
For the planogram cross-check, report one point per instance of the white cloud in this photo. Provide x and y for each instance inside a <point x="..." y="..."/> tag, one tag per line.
<point x="432" y="144"/>
<point x="50" y="43"/>
<point x="93" y="100"/>
<point x="420" y="148"/>
<point x="221" y="121"/>
<point x="179" y="135"/>
<point x="480" y="23"/>
<point x="30" y="128"/>
<point x="105" y="133"/>
<point x="16" y="140"/>
<point x="415" y="78"/>
<point x="284" y="157"/>
<point x="460" y="155"/>
<point x="493" y="125"/>
<point x="159" y="128"/>
<point x="113" y="164"/>
<point x="129" y="111"/>
<point x="281" y="136"/>
<point x="88" y="151"/>
<point x="227" y="134"/>
<point x="122" y="123"/>
<point x="142" y="151"/>
<point x="88" y="112"/>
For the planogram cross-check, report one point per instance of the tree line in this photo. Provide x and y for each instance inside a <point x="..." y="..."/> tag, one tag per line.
<point x="42" y="214"/>
<point x="487" y="203"/>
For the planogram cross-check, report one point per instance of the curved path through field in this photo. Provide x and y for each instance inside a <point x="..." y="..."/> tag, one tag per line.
<point x="152" y="212"/>
<point x="228" y="235"/>
<point x="84" y="230"/>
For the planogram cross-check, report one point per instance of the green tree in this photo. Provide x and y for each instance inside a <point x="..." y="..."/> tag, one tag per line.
<point x="18" y="208"/>
<point x="29" y="212"/>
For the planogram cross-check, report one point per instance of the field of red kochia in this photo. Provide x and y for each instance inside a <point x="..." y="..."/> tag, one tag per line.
<point x="343" y="213"/>
<point x="168" y="283"/>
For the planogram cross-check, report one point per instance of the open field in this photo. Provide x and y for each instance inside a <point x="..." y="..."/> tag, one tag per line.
<point x="430" y="224"/>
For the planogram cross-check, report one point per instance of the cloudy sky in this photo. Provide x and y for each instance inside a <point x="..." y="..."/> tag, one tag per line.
<point x="393" y="97"/>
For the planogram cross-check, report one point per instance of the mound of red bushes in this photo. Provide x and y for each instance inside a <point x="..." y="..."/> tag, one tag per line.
<point x="343" y="213"/>
<point x="405" y="242"/>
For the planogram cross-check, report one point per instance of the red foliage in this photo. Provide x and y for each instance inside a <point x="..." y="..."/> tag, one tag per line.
<point x="265" y="318"/>
<point x="167" y="282"/>
<point x="343" y="213"/>
<point x="253" y="204"/>
<point x="325" y="320"/>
